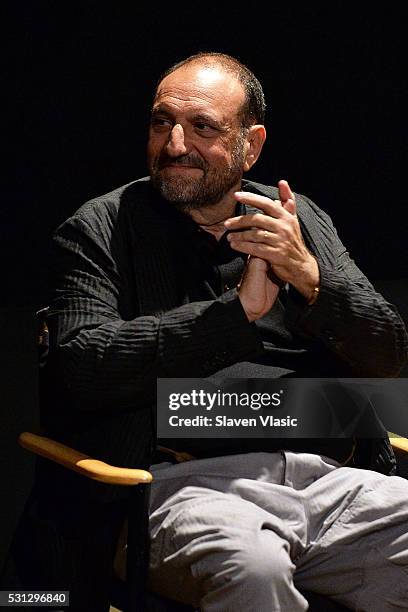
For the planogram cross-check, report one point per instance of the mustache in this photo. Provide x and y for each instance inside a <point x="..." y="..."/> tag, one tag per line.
<point x="190" y="159"/>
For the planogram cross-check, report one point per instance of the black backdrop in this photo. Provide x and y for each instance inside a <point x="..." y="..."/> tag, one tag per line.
<point x="79" y="79"/>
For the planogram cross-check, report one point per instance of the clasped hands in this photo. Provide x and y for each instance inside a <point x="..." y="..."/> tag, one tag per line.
<point x="274" y="242"/>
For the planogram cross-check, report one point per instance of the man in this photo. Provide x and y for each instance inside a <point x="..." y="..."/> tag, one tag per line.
<point x="154" y="280"/>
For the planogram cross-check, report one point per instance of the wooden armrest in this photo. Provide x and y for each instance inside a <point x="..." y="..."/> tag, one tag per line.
<point x="398" y="443"/>
<point x="72" y="459"/>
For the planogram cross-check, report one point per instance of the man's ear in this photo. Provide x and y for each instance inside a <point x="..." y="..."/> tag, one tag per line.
<point x="254" y="142"/>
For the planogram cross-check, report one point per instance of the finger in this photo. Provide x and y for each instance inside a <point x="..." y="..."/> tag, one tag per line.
<point x="287" y="197"/>
<point x="285" y="192"/>
<point x="253" y="248"/>
<point x="257" y="220"/>
<point x="254" y="235"/>
<point x="270" y="207"/>
<point x="290" y="206"/>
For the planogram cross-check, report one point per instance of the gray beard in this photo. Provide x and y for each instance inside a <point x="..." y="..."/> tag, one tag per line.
<point x="190" y="194"/>
<point x="186" y="193"/>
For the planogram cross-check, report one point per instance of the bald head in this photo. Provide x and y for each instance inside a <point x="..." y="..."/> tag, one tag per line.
<point x="208" y="84"/>
<point x="253" y="106"/>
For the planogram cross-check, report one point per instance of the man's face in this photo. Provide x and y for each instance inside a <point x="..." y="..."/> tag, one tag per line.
<point x="196" y="145"/>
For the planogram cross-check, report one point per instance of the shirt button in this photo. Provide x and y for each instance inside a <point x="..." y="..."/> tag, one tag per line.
<point x="226" y="288"/>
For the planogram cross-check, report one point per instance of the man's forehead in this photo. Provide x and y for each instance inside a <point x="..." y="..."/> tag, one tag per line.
<point x="211" y="83"/>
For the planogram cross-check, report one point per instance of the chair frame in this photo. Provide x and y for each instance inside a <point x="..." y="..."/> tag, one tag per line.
<point x="137" y="555"/>
<point x="137" y="538"/>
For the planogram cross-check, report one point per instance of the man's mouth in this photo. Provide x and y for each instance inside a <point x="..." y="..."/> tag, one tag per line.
<point x="184" y="163"/>
<point x="180" y="166"/>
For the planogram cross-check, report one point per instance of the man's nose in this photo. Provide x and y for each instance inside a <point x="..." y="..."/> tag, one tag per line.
<point x="176" y="145"/>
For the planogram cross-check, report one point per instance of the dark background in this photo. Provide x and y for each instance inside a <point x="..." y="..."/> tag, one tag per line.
<point x="79" y="79"/>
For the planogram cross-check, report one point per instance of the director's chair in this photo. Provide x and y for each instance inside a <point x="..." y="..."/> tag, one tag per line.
<point x="129" y="598"/>
<point x="130" y="569"/>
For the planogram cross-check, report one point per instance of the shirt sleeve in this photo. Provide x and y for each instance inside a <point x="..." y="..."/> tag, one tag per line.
<point x="104" y="359"/>
<point x="349" y="316"/>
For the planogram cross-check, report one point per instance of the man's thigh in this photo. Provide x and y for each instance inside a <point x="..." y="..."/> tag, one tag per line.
<point x="216" y="542"/>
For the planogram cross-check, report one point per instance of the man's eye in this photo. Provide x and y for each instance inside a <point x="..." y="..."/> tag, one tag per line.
<point x="160" y="122"/>
<point x="204" y="128"/>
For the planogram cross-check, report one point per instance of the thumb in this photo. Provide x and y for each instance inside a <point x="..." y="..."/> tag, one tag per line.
<point x="287" y="197"/>
<point x="290" y="206"/>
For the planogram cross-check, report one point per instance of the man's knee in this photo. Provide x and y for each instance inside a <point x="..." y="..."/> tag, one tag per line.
<point x="256" y="575"/>
<point x="251" y="565"/>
